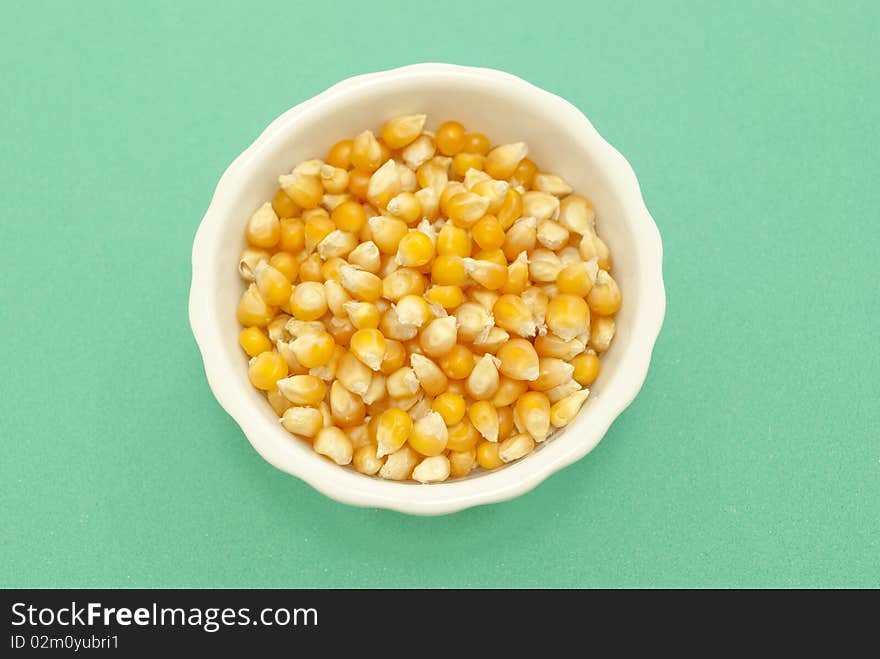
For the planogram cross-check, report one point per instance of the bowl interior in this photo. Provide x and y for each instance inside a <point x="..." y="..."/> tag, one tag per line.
<point x="505" y="111"/>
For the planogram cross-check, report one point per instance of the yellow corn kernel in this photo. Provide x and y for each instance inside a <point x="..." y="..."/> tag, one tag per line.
<point x="552" y="235"/>
<point x="362" y="285"/>
<point x="449" y="270"/>
<point x="286" y="352"/>
<point x="415" y="249"/>
<point x="277" y="328"/>
<point x="336" y="296"/>
<point x="517" y="275"/>
<point x="531" y="414"/>
<point x="465" y="208"/>
<point x="494" y="191"/>
<point x="249" y="260"/>
<point x="406" y="403"/>
<point x="359" y="436"/>
<point x="429" y="435"/>
<point x="399" y="465"/>
<point x="429" y="204"/>
<point x="601" y="332"/>
<point x="278" y="402"/>
<point x="551" y="373"/>
<point x="303" y="389"/>
<point x="484" y="297"/>
<point x="368" y="345"/>
<point x="349" y="216"/>
<point x="358" y="183"/>
<point x="310" y="269"/>
<point x="486" y="273"/>
<point x="439" y="336"/>
<point x="487" y="455"/>
<point x="336" y="244"/>
<point x="461" y="462"/>
<point x="549" y="345"/>
<point x="387" y="233"/>
<point x="563" y="412"/>
<point x="462" y="436"/>
<point x="315" y="229"/>
<point x="502" y="161"/>
<point x="453" y="241"/>
<point x="252" y="308"/>
<point x="508" y="392"/>
<point x="458" y="362"/>
<point x="324" y="409"/>
<point x="263" y="228"/>
<point x="303" y="421"/>
<point x="524" y="174"/>
<point x="450" y="138"/>
<point x="363" y="315"/>
<point x="432" y="470"/>
<point x="353" y="374"/>
<point x="516" y="447"/>
<point x="431" y="378"/>
<point x="490" y="340"/>
<point x="401" y="282"/>
<point x="463" y="162"/>
<point x="457" y="387"/>
<point x="592" y="247"/>
<point x="405" y="206"/>
<point x="521" y="237"/>
<point x="400" y="131"/>
<point x="340" y="154"/>
<point x="511" y="209"/>
<point x="448" y="297"/>
<point x="551" y="184"/>
<point x="417" y="153"/>
<point x="475" y="143"/>
<point x="384" y="184"/>
<point x="537" y="302"/>
<point x="495" y="256"/>
<point x="559" y="392"/>
<point x="544" y="265"/>
<point x="472" y="320"/>
<point x="393" y="428"/>
<point x="314" y="349"/>
<point x="402" y="383"/>
<point x="586" y="368"/>
<point x="366" y="461"/>
<point x="574" y="279"/>
<point x="366" y="257"/>
<point x="283" y="205"/>
<point x="484" y="417"/>
<point x="604" y="298"/>
<point x="567" y="316"/>
<point x="413" y="310"/>
<point x="488" y="233"/>
<point x="395" y="356"/>
<point x="304" y="189"/>
<point x="483" y="381"/>
<point x="286" y="264"/>
<point x="519" y="360"/>
<point x="577" y="214"/>
<point x="327" y="372"/>
<point x="376" y="391"/>
<point x="540" y="205"/>
<point x="312" y="213"/>
<point x="450" y="406"/>
<point x="474" y="176"/>
<point x="308" y="301"/>
<point x="292" y="235"/>
<point x="366" y="152"/>
<point x="346" y="408"/>
<point x="254" y="341"/>
<point x="340" y="329"/>
<point x="513" y="314"/>
<point x="333" y="443"/>
<point x="334" y="180"/>
<point x="392" y="328"/>
<point x="266" y="369"/>
<point x="505" y="422"/>
<point x="432" y="174"/>
<point x="569" y="255"/>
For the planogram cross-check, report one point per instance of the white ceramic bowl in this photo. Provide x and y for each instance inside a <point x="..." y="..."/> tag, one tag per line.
<point x="507" y="109"/>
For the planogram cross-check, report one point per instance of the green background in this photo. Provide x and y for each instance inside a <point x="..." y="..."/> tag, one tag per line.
<point x="750" y="458"/>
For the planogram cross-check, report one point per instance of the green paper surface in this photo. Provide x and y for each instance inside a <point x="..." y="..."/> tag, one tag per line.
<point x="751" y="456"/>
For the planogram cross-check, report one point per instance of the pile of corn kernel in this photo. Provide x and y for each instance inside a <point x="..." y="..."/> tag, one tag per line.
<point x="422" y="303"/>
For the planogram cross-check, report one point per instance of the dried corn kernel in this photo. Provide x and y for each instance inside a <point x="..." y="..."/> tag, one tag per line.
<point x="263" y="228"/>
<point x="487" y="455"/>
<point x="303" y="421"/>
<point x="254" y="341"/>
<point x="266" y="369"/>
<point x="518" y="360"/>
<point x="531" y="414"/>
<point x="334" y="444"/>
<point x="400" y="131"/>
<point x="432" y="470"/>
<point x="516" y="447"/>
<point x="429" y="435"/>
